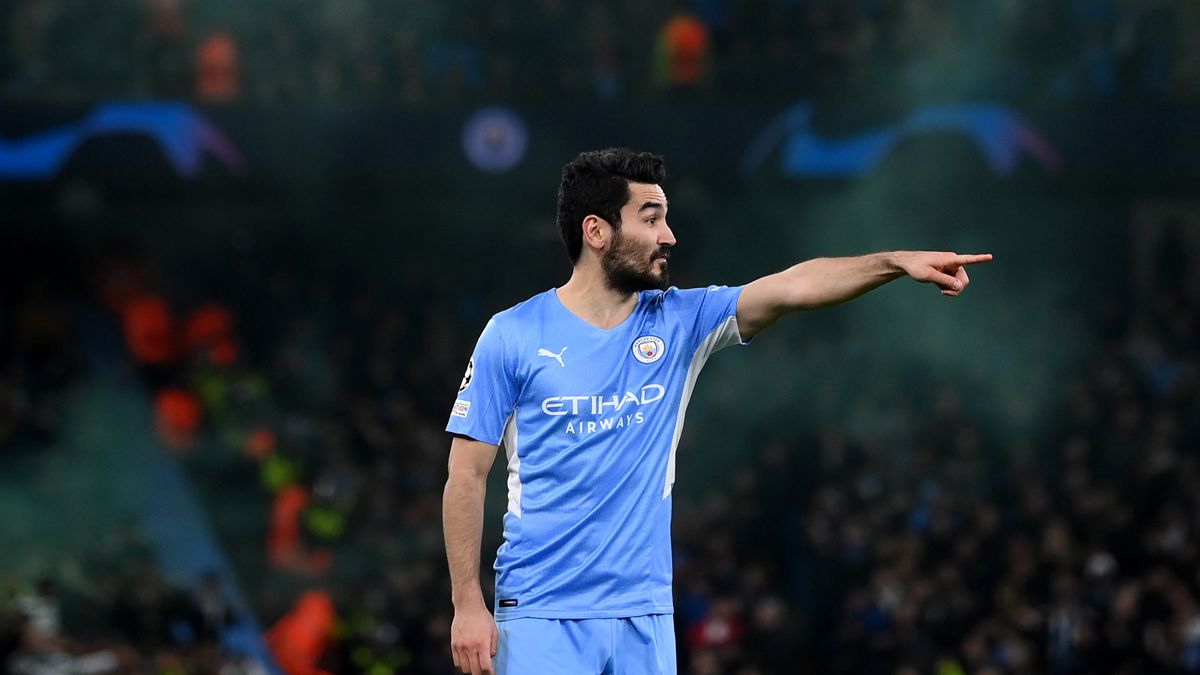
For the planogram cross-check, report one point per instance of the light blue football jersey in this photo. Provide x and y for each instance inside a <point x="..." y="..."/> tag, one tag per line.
<point x="590" y="420"/>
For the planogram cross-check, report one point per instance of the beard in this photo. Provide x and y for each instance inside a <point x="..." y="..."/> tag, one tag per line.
<point x="629" y="269"/>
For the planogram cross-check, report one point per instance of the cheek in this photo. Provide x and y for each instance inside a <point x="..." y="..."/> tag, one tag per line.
<point x="646" y="254"/>
<point x="636" y="249"/>
<point x="630" y="248"/>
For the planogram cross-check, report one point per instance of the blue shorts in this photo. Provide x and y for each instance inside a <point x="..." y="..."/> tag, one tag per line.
<point x="640" y="645"/>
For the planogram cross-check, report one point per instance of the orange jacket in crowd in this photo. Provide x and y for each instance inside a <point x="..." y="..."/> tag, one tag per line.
<point x="218" y="77"/>
<point x="298" y="641"/>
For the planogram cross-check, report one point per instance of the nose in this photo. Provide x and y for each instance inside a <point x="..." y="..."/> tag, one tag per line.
<point x="665" y="236"/>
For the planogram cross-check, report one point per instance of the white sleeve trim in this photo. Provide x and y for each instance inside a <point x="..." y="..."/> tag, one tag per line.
<point x="514" y="465"/>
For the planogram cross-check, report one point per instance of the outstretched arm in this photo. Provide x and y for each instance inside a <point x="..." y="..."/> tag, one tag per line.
<point x="822" y="282"/>
<point x="473" y="634"/>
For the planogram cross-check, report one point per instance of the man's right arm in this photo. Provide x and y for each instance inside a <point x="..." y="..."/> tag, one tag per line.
<point x="473" y="635"/>
<point x="822" y="282"/>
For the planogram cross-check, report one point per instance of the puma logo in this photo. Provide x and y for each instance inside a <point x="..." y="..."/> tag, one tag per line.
<point x="556" y="357"/>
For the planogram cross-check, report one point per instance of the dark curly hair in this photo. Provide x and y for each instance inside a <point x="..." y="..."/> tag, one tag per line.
<point x="597" y="183"/>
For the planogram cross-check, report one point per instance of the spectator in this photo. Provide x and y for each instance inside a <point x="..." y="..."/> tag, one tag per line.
<point x="683" y="54"/>
<point x="218" y="68"/>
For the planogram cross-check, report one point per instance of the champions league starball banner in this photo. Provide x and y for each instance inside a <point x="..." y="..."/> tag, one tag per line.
<point x="181" y="133"/>
<point x="1002" y="138"/>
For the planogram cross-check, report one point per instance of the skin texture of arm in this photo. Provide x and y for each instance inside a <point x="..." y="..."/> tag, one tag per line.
<point x="823" y="282"/>
<point x="473" y="634"/>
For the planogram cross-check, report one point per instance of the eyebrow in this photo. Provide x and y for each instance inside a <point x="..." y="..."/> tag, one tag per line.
<point x="651" y="205"/>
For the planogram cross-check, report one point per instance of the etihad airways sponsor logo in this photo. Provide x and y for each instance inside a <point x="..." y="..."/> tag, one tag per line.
<point x="606" y="424"/>
<point x="600" y="404"/>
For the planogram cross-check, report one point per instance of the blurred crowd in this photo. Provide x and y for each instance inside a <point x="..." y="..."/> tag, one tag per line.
<point x="122" y="615"/>
<point x="546" y="51"/>
<point x="936" y="552"/>
<point x="114" y="609"/>
<point x="38" y="362"/>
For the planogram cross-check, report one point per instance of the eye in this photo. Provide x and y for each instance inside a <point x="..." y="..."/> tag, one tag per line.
<point x="652" y="219"/>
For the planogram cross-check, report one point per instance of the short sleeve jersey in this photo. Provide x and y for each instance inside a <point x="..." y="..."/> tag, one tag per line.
<point x="590" y="420"/>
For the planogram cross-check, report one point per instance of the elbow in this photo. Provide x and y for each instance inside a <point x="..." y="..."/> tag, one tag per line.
<point x="800" y="287"/>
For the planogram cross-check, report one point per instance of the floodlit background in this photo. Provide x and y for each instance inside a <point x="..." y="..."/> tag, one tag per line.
<point x="246" y="248"/>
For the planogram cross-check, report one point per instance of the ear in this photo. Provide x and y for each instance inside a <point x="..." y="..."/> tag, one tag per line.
<point x="596" y="232"/>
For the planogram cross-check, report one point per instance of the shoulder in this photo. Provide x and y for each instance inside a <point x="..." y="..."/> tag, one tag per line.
<point x="509" y="325"/>
<point x="687" y="297"/>
<point x="520" y="312"/>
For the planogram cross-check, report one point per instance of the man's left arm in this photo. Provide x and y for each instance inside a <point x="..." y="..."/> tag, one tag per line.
<point x="822" y="282"/>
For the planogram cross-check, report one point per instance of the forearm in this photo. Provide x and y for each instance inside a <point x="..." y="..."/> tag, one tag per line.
<point x="462" y="524"/>
<point x="822" y="282"/>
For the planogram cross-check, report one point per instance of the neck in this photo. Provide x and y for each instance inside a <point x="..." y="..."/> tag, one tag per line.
<point x="588" y="296"/>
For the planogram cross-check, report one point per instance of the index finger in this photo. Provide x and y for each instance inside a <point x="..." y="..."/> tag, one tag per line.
<point x="971" y="259"/>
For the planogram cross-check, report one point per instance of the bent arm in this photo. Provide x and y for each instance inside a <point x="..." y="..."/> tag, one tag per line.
<point x="462" y="517"/>
<point x="823" y="282"/>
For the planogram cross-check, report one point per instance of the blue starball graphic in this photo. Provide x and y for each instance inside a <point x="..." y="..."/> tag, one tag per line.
<point x="180" y="131"/>
<point x="1001" y="136"/>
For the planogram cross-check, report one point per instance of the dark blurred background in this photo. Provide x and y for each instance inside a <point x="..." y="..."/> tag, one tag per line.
<point x="246" y="248"/>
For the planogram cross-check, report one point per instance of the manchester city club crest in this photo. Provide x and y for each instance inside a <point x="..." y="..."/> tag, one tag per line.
<point x="648" y="348"/>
